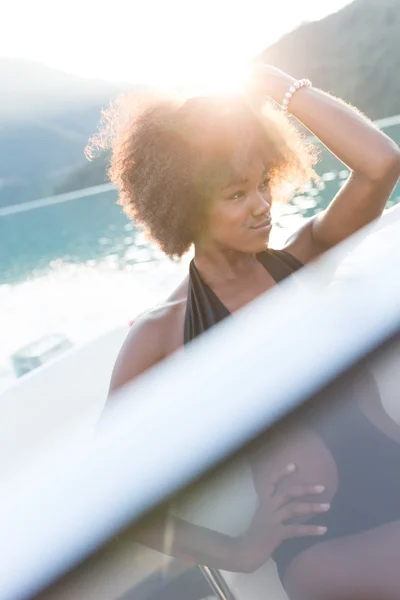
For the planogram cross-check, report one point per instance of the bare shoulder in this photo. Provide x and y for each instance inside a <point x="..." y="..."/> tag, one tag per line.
<point x="153" y="336"/>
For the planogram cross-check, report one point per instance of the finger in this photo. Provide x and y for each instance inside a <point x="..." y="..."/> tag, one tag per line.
<point x="274" y="479"/>
<point x="292" y="531"/>
<point x="300" y="509"/>
<point x="297" y="491"/>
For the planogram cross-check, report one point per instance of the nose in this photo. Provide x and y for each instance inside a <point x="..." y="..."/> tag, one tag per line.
<point x="261" y="203"/>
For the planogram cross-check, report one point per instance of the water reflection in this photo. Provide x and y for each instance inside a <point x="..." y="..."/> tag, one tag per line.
<point x="92" y="228"/>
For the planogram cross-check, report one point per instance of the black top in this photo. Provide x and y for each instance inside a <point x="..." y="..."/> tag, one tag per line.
<point x="204" y="309"/>
<point x="367" y="463"/>
<point x="366" y="459"/>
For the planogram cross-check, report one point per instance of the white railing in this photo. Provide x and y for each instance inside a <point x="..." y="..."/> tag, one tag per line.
<point x="59" y="199"/>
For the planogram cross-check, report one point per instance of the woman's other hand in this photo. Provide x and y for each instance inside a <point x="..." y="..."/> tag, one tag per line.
<point x="267" y="81"/>
<point x="278" y="518"/>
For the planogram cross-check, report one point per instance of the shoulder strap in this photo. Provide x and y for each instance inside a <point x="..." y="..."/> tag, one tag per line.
<point x="279" y="263"/>
<point x="203" y="307"/>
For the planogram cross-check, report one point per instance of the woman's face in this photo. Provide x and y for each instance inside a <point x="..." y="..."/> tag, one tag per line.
<point x="240" y="217"/>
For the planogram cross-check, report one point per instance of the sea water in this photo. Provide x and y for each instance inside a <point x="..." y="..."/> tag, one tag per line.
<point x="74" y="264"/>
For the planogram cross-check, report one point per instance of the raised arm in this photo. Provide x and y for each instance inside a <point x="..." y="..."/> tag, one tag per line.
<point x="372" y="157"/>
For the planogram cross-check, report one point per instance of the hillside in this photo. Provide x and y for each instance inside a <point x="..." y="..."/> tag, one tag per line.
<point x="47" y="116"/>
<point x="354" y="54"/>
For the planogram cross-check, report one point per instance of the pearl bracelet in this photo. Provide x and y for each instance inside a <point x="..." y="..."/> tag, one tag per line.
<point x="292" y="90"/>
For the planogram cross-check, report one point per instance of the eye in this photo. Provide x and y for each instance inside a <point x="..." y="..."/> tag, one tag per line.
<point x="237" y="195"/>
<point x="266" y="182"/>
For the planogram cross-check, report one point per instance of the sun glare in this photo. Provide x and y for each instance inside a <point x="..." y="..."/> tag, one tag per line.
<point x="218" y="78"/>
<point x="200" y="70"/>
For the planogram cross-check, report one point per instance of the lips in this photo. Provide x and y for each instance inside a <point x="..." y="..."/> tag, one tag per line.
<point x="262" y="224"/>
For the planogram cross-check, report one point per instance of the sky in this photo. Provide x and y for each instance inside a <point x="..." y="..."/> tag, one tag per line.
<point x="150" y="41"/>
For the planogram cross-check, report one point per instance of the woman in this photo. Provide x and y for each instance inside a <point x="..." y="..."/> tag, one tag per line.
<point x="205" y="173"/>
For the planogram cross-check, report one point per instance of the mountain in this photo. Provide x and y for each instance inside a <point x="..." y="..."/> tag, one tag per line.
<point x="33" y="91"/>
<point x="46" y="118"/>
<point x="354" y="54"/>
